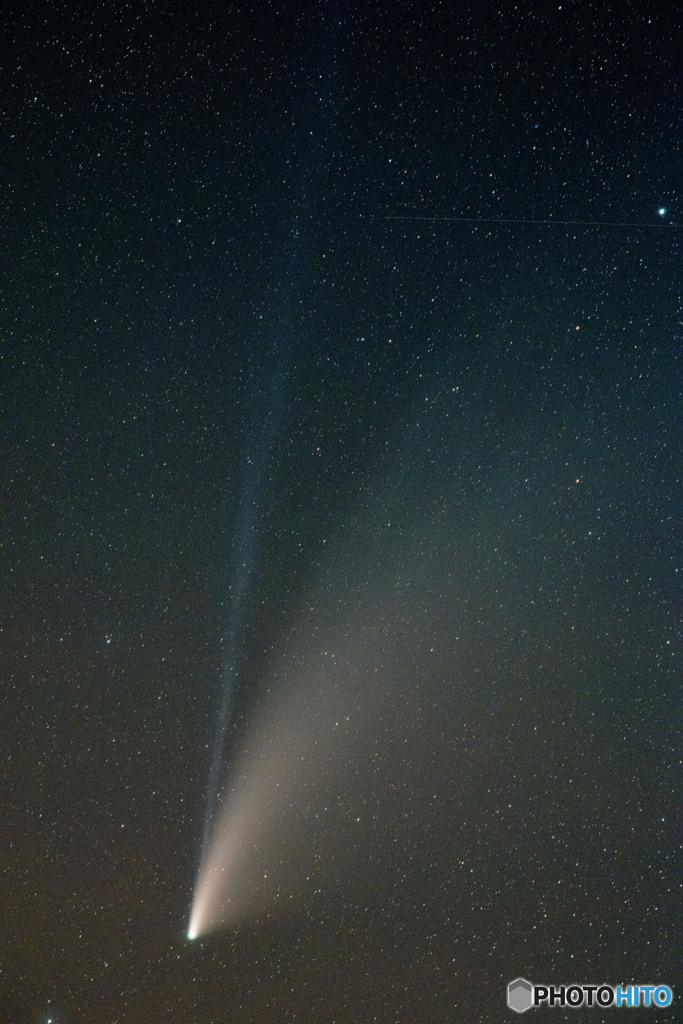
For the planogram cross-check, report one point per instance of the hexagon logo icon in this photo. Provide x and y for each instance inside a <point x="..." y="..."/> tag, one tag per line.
<point x="520" y="995"/>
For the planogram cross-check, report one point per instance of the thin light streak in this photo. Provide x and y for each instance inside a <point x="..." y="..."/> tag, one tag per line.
<point x="521" y="220"/>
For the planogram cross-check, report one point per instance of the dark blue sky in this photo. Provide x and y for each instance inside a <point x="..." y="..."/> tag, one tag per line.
<point x="419" y="472"/>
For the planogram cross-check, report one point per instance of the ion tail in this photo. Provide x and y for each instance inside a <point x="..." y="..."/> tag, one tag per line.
<point x="246" y="558"/>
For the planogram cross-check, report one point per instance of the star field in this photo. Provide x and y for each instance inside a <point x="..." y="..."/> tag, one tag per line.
<point x="340" y="519"/>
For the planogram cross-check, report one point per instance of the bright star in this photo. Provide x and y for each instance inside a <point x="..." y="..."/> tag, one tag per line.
<point x="661" y="211"/>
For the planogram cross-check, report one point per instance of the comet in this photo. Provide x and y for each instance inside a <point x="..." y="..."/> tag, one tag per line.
<point x="277" y="829"/>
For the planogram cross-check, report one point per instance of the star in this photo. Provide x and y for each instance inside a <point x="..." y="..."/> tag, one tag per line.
<point x="661" y="211"/>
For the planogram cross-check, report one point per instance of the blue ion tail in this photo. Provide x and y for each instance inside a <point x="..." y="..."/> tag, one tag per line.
<point x="217" y="760"/>
<point x="246" y="557"/>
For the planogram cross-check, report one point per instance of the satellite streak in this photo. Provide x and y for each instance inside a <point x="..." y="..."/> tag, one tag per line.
<point x="520" y="220"/>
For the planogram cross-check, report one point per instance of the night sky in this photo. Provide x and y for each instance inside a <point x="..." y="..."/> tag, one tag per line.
<point x="339" y="463"/>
